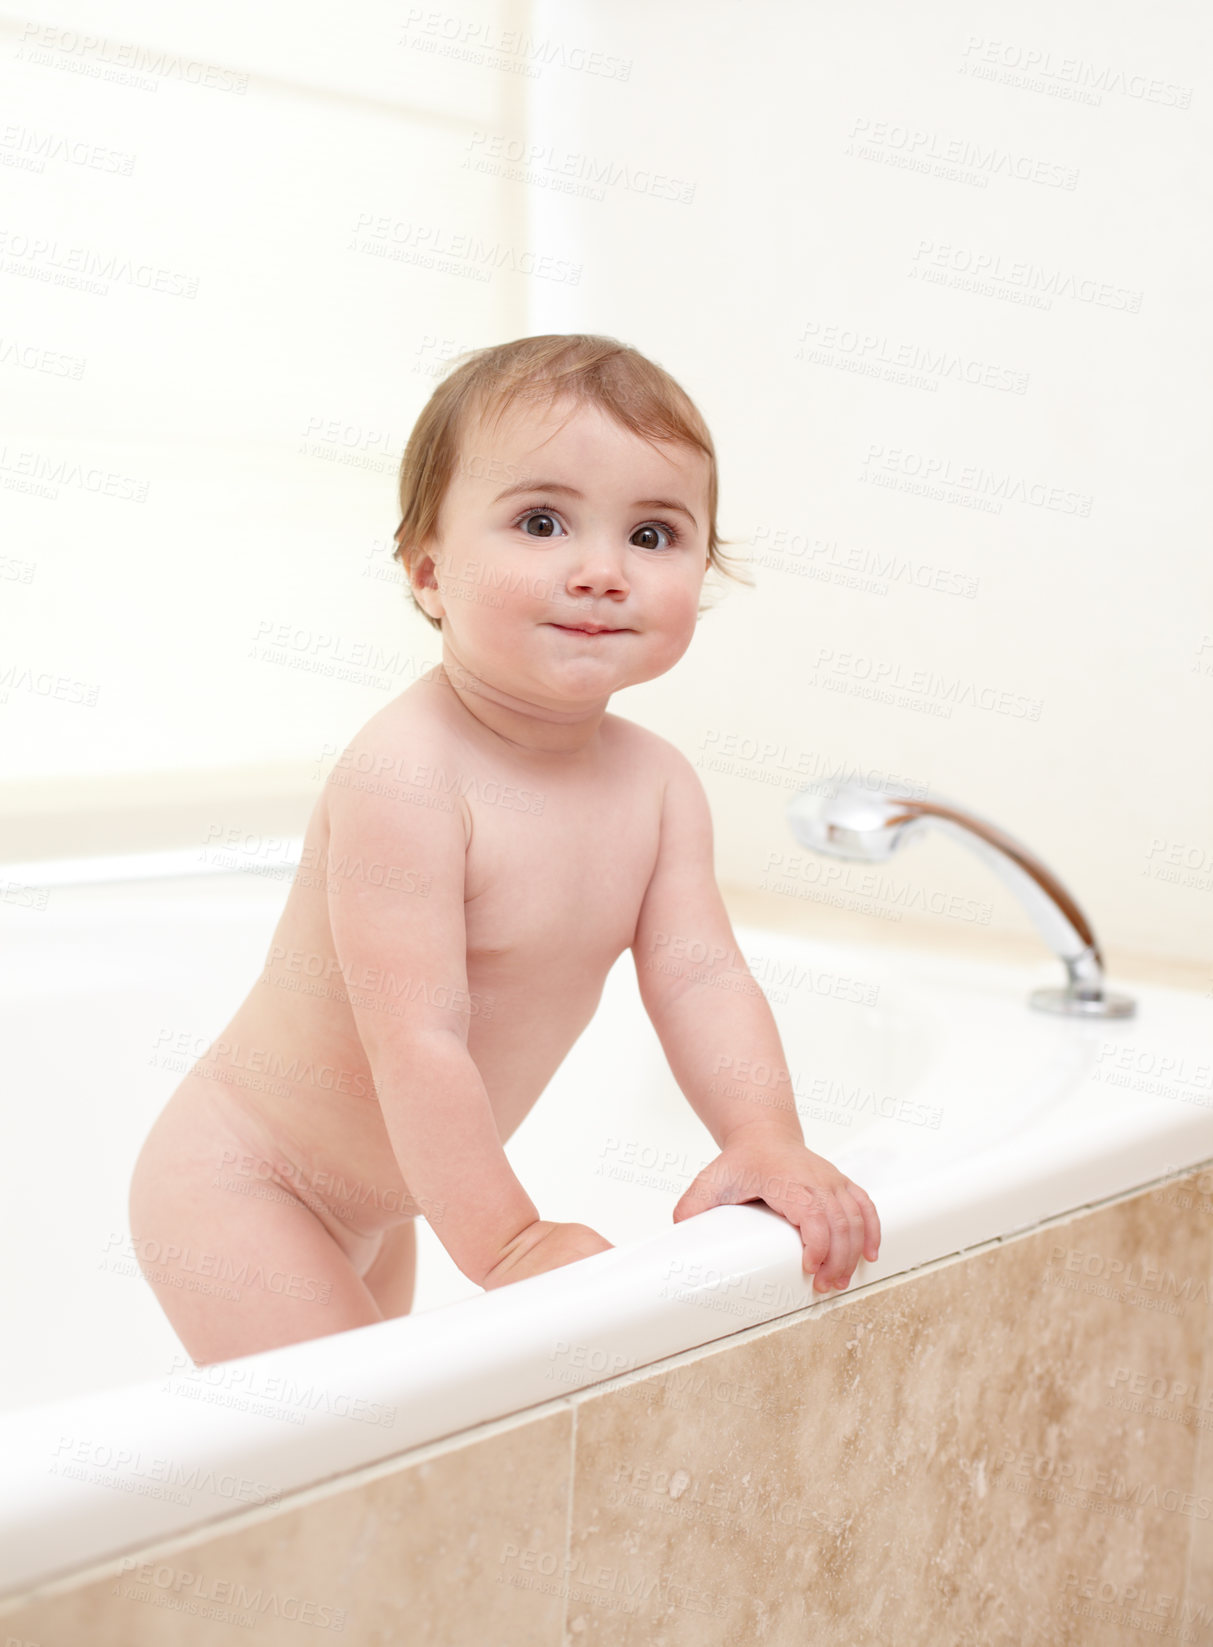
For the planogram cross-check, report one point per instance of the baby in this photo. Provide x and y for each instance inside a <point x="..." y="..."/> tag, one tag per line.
<point x="489" y="843"/>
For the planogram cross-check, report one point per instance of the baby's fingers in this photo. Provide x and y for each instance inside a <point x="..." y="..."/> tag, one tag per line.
<point x="871" y="1219"/>
<point x="858" y="1234"/>
<point x="835" y="1238"/>
<point x="826" y="1233"/>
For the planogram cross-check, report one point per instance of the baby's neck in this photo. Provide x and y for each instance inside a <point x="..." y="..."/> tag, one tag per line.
<point x="527" y="728"/>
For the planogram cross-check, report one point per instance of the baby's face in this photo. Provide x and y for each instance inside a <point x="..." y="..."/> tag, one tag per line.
<point x="547" y="527"/>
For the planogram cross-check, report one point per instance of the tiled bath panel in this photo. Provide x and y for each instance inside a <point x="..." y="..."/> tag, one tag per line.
<point x="1008" y="1447"/>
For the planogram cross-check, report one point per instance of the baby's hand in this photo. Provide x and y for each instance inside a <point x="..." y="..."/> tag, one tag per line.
<point x="543" y="1246"/>
<point x="836" y="1220"/>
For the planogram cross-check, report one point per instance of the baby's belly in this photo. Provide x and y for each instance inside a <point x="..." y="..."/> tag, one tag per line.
<point x="304" y="1088"/>
<point x="329" y="1148"/>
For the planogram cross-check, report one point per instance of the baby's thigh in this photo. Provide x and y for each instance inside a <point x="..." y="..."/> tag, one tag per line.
<point x="392" y="1275"/>
<point x="234" y="1273"/>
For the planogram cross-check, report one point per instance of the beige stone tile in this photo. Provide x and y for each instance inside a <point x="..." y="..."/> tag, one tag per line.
<point x="429" y="1556"/>
<point x="939" y="1461"/>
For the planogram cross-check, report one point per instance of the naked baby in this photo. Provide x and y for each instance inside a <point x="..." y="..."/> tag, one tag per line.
<point x="558" y="500"/>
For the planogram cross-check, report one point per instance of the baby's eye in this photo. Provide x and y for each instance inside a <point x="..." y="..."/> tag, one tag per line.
<point x="538" y="514"/>
<point x="652" y="529"/>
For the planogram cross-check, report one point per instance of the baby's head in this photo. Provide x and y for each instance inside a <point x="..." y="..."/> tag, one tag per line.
<point x="502" y="445"/>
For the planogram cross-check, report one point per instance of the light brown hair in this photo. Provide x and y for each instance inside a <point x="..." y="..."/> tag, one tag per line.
<point x="599" y="371"/>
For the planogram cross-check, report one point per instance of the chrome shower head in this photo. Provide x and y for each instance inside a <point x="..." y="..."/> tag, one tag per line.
<point x="855" y="822"/>
<point x="867" y="825"/>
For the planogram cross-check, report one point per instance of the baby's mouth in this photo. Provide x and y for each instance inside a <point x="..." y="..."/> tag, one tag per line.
<point x="589" y="629"/>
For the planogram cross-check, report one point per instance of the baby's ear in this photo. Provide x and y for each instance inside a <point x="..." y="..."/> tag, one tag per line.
<point x="420" y="568"/>
<point x="424" y="585"/>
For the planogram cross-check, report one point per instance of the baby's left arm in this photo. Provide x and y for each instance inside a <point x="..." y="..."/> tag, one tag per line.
<point x="719" y="1035"/>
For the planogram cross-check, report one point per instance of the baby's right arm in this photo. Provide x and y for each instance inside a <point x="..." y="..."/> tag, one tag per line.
<point x="402" y="955"/>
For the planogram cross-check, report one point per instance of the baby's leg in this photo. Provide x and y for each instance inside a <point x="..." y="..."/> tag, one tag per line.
<point x="234" y="1273"/>
<point x="393" y="1272"/>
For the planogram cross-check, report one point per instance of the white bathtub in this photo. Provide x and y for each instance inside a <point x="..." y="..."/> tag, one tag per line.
<point x="965" y="1114"/>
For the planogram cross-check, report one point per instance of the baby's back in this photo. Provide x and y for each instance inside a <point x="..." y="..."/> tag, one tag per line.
<point x="558" y="851"/>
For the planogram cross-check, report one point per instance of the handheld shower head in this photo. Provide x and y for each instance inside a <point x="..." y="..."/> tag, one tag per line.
<point x="855" y="822"/>
<point x="868" y="824"/>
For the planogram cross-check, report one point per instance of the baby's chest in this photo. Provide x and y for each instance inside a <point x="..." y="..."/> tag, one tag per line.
<point x="561" y="884"/>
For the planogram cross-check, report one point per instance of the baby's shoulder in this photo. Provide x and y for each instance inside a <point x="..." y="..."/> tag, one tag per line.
<point x="414" y="721"/>
<point x="659" y="756"/>
<point x="406" y="750"/>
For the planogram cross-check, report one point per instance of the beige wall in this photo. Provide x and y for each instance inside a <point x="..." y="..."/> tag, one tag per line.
<point x="1104" y="620"/>
<point x="237" y="422"/>
<point x="969" y="1453"/>
<point x="755" y="205"/>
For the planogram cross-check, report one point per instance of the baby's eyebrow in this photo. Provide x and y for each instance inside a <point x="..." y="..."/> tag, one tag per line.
<point x="571" y="491"/>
